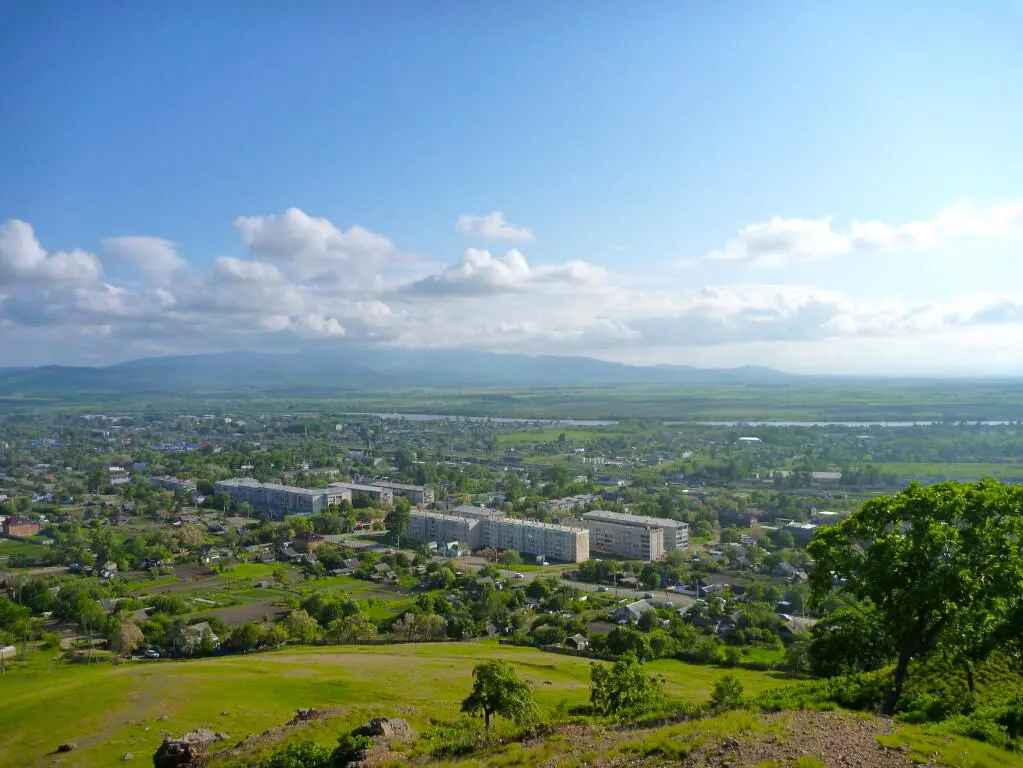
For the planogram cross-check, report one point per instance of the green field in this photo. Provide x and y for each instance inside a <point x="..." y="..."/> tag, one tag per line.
<point x="957" y="471"/>
<point x="112" y="710"/>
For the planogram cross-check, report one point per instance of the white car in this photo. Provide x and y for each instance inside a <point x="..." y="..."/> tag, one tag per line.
<point x="603" y="589"/>
<point x="519" y="576"/>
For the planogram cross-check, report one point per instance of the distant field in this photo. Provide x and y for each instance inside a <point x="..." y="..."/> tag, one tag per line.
<point x="964" y="471"/>
<point x="110" y="711"/>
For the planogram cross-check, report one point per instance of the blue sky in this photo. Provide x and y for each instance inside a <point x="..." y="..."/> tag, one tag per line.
<point x="672" y="165"/>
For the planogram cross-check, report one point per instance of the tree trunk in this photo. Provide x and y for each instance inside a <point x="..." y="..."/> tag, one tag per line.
<point x="900" y="680"/>
<point x="486" y="720"/>
<point x="969" y="677"/>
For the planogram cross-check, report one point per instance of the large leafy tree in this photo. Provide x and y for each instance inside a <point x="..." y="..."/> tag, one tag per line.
<point x="940" y="566"/>
<point x="624" y="689"/>
<point x="398" y="517"/>
<point x="497" y="689"/>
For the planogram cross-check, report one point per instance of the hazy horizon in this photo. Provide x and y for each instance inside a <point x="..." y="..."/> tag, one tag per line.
<point x="822" y="190"/>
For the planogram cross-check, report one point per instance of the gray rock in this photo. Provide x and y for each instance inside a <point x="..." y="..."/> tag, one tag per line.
<point x="67" y="747"/>
<point x="127" y="756"/>
<point x="387" y="729"/>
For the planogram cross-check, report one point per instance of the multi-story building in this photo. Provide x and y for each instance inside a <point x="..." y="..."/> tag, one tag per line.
<point x="172" y="484"/>
<point x="433" y="526"/>
<point x="476" y="513"/>
<point x="474" y="527"/>
<point x="380" y="495"/>
<point x="566" y="504"/>
<point x="280" y="500"/>
<point x="118" y="476"/>
<point x="417" y="494"/>
<point x="635" y="542"/>
<point x="557" y="542"/>
<point x="675" y="536"/>
<point x="15" y="525"/>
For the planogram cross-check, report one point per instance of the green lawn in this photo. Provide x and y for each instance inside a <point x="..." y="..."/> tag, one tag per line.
<point x="110" y="711"/>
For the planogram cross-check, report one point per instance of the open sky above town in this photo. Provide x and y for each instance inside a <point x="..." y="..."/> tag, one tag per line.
<point x="819" y="187"/>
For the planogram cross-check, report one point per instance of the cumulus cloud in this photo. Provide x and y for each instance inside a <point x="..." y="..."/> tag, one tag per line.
<point x="480" y="273"/>
<point x="232" y="270"/>
<point x="274" y="295"/>
<point x="492" y="226"/>
<point x="155" y="258"/>
<point x="780" y="241"/>
<point x="295" y="236"/>
<point x="24" y="262"/>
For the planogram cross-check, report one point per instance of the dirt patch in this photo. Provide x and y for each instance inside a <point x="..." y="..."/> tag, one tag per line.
<point x="184" y="586"/>
<point x="834" y="739"/>
<point x="193" y="572"/>
<point x="234" y="615"/>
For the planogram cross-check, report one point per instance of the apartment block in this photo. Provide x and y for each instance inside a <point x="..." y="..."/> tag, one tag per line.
<point x="433" y="526"/>
<point x="635" y="542"/>
<point x="476" y="513"/>
<point x="566" y="504"/>
<point x="280" y="500"/>
<point x="556" y="542"/>
<point x="675" y="536"/>
<point x="416" y="494"/>
<point x="171" y="484"/>
<point x="381" y="496"/>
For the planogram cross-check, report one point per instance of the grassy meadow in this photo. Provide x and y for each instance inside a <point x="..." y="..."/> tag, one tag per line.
<point x="113" y="710"/>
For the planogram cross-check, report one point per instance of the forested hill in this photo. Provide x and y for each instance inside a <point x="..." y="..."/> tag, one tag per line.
<point x="356" y="370"/>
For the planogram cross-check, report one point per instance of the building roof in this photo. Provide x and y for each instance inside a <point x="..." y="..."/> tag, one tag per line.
<point x="607" y="516"/>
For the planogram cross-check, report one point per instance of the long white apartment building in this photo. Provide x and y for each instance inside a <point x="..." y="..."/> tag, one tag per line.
<point x="280" y="500"/>
<point x="604" y="526"/>
<point x="477" y="528"/>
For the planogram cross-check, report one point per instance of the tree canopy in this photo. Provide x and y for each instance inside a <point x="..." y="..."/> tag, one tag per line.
<point x="497" y="689"/>
<point x="937" y="566"/>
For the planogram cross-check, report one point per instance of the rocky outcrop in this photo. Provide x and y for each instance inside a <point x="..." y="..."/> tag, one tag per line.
<point x="190" y="751"/>
<point x="386" y="729"/>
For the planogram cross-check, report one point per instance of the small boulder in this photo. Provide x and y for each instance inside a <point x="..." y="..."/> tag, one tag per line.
<point x="189" y="750"/>
<point x="127" y="756"/>
<point x="67" y="747"/>
<point x="387" y="729"/>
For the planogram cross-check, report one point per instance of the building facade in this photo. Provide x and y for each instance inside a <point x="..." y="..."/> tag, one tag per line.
<point x="15" y="525"/>
<point x="416" y="494"/>
<point x="635" y="542"/>
<point x="675" y="533"/>
<point x="280" y="500"/>
<point x="473" y="527"/>
<point x="172" y="484"/>
<point x="433" y="526"/>
<point x="381" y="496"/>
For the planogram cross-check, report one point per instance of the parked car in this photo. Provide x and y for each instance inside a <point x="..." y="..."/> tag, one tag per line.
<point x="603" y="589"/>
<point x="152" y="653"/>
<point x="648" y="595"/>
<point x="519" y="576"/>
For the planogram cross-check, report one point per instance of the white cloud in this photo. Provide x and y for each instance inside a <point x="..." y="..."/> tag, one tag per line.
<point x="779" y="242"/>
<point x="24" y="262"/>
<point x="232" y="270"/>
<point x="154" y="257"/>
<point x="298" y="237"/>
<point x="492" y="226"/>
<point x="480" y="273"/>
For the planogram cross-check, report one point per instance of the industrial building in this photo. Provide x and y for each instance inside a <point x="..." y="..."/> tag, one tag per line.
<point x="675" y="533"/>
<point x="280" y="500"/>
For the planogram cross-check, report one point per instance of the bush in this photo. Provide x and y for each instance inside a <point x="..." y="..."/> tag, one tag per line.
<point x="456" y="739"/>
<point x="349" y="750"/>
<point x="306" y="754"/>
<point x="727" y="694"/>
<point x="624" y="690"/>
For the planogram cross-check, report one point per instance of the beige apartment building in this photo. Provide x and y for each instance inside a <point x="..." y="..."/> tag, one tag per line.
<point x="603" y="526"/>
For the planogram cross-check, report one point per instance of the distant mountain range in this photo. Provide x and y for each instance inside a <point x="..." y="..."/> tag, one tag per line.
<point x="357" y="370"/>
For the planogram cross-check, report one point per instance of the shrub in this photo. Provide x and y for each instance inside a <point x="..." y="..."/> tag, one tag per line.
<point x="306" y="754"/>
<point x="349" y="750"/>
<point x="727" y="694"/>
